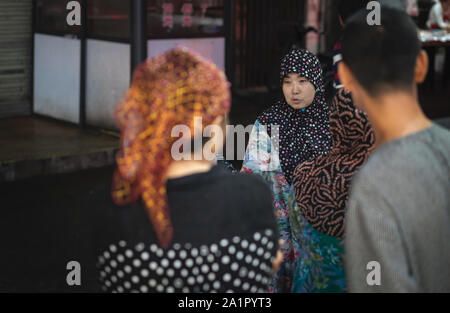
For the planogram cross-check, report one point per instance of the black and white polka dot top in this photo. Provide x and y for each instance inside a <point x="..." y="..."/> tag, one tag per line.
<point x="225" y="239"/>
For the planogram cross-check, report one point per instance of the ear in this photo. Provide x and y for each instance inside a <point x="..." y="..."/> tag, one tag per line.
<point x="346" y="77"/>
<point x="421" y="69"/>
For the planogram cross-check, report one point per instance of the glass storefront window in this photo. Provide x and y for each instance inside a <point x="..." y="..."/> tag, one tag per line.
<point x="184" y="18"/>
<point x="51" y="18"/>
<point x="108" y="19"/>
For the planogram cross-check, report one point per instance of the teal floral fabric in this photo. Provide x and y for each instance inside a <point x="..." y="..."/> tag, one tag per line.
<point x="312" y="261"/>
<point x="262" y="159"/>
<point x="320" y="266"/>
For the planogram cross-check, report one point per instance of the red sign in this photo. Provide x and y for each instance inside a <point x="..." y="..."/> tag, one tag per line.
<point x="187" y="10"/>
<point x="167" y="15"/>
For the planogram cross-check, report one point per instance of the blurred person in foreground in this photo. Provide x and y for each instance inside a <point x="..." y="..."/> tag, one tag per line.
<point x="399" y="206"/>
<point x="187" y="225"/>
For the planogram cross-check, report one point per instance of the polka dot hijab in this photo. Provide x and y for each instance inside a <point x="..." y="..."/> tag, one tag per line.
<point x="304" y="63"/>
<point x="303" y="133"/>
<point x="170" y="89"/>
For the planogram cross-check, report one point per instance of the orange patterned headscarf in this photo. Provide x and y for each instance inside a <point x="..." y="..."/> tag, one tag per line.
<point x="168" y="90"/>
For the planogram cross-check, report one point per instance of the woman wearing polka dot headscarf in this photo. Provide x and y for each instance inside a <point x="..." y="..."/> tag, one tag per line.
<point x="292" y="131"/>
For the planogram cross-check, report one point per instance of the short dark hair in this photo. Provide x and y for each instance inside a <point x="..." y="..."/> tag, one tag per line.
<point x="382" y="56"/>
<point x="347" y="8"/>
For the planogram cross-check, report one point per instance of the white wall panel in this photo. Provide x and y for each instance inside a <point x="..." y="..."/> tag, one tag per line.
<point x="107" y="79"/>
<point x="57" y="77"/>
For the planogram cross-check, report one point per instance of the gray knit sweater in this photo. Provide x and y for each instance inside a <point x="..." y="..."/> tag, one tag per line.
<point x="399" y="216"/>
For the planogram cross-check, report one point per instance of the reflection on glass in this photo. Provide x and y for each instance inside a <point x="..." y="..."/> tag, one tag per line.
<point x="51" y="18"/>
<point x="108" y="19"/>
<point x="184" y="19"/>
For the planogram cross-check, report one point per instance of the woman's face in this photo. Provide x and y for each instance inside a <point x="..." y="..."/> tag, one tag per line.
<point x="298" y="91"/>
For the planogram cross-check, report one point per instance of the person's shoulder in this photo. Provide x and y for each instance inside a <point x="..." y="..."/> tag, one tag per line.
<point x="403" y="158"/>
<point x="438" y="143"/>
<point x="442" y="133"/>
<point x="433" y="141"/>
<point x="375" y="165"/>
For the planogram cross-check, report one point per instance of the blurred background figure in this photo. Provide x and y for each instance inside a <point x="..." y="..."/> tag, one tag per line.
<point x="412" y="8"/>
<point x="409" y="6"/>
<point x="438" y="18"/>
<point x="346" y="8"/>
